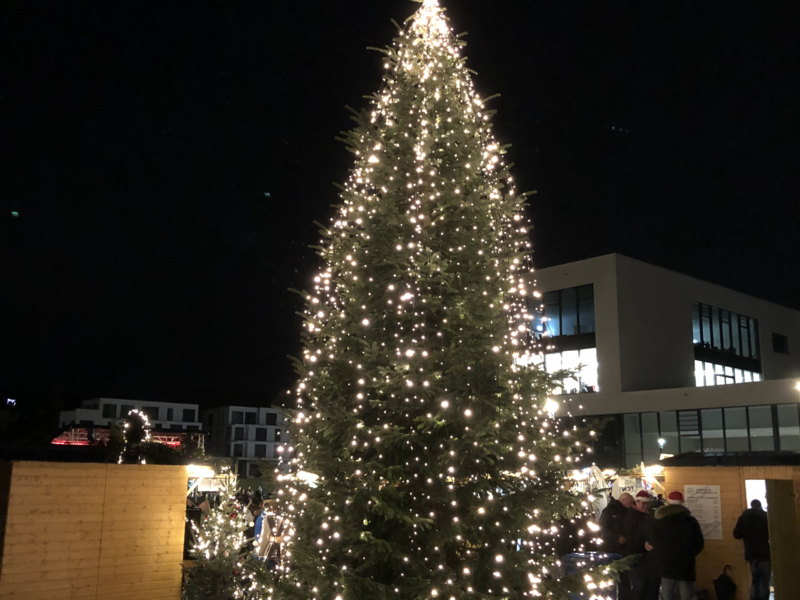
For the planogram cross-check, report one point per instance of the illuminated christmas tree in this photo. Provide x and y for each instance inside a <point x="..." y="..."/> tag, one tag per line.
<point x="430" y="467"/>
<point x="225" y="566"/>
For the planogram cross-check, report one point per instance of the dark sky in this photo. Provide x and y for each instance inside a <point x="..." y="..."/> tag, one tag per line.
<point x="167" y="161"/>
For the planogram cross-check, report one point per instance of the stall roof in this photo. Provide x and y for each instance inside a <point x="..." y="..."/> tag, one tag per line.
<point x="732" y="459"/>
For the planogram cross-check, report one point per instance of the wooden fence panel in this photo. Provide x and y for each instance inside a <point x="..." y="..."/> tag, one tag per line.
<point x="90" y="531"/>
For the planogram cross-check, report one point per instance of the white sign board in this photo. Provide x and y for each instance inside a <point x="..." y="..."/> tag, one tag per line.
<point x="703" y="501"/>
<point x="625" y="484"/>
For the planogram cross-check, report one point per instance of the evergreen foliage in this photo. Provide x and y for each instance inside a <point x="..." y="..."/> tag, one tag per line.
<point x="225" y="566"/>
<point x="436" y="472"/>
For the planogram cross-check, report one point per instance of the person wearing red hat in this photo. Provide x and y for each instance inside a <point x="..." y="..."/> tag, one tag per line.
<point x="677" y="540"/>
<point x="644" y="575"/>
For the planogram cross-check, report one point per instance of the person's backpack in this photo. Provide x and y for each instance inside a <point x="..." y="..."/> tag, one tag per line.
<point x="724" y="586"/>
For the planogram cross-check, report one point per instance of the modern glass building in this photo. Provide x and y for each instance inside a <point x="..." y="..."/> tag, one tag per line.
<point x="672" y="364"/>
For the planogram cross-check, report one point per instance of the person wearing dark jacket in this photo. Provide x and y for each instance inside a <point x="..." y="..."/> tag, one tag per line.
<point x="677" y="540"/>
<point x="611" y="523"/>
<point x="611" y="520"/>
<point x="636" y="528"/>
<point x="752" y="527"/>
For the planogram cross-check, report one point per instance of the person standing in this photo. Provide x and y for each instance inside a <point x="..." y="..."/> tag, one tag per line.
<point x="677" y="540"/>
<point x="753" y="528"/>
<point x="636" y="528"/>
<point x="611" y="520"/>
<point x="611" y="523"/>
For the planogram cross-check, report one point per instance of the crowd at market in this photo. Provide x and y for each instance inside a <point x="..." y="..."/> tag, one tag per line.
<point x="267" y="528"/>
<point x="667" y="541"/>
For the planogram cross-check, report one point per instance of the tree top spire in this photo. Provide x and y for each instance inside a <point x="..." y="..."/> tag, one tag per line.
<point x="429" y="21"/>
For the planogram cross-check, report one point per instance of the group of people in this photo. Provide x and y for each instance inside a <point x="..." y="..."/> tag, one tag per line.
<point x="668" y="541"/>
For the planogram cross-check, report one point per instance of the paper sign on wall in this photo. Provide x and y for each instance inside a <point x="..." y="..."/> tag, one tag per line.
<point x="703" y="501"/>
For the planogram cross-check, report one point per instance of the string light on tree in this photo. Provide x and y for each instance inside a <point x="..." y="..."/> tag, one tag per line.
<point x="428" y="464"/>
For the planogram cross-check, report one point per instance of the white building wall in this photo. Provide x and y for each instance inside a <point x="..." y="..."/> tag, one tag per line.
<point x="94" y="410"/>
<point x="602" y="273"/>
<point x="643" y="316"/>
<point x="655" y="316"/>
<point x="225" y="424"/>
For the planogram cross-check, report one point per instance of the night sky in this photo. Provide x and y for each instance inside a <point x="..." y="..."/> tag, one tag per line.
<point x="167" y="161"/>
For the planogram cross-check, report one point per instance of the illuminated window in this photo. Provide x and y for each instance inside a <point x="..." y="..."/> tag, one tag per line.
<point x="582" y="362"/>
<point x="708" y="374"/>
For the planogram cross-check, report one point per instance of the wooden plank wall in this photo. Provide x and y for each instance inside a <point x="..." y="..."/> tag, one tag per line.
<point x="728" y="550"/>
<point x="90" y="531"/>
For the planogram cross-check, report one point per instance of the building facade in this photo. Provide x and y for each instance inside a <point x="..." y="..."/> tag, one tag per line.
<point x="163" y="416"/>
<point x="246" y="434"/>
<point x="674" y="363"/>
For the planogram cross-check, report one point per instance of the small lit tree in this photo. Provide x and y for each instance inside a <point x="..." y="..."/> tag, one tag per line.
<point x="225" y="566"/>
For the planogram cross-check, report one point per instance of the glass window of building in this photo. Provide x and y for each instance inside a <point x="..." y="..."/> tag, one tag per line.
<point x="124" y="410"/>
<point x="762" y="435"/>
<point x="716" y="430"/>
<point x="586" y="308"/>
<point x="713" y="432"/>
<point x="277" y="435"/>
<point x="238" y="450"/>
<point x="669" y="432"/>
<point x="633" y="440"/>
<point x="237" y="417"/>
<point x="689" y="430"/>
<point x="109" y="411"/>
<point x="567" y="312"/>
<point x="737" y="437"/>
<point x="238" y="433"/>
<point x="250" y="417"/>
<point x="170" y="413"/>
<point x="188" y="415"/>
<point x="261" y="450"/>
<point x="789" y="426"/>
<point x="780" y="343"/>
<point x="650" y="436"/>
<point x="151" y="412"/>
<point x="725" y="331"/>
<point x="261" y="434"/>
<point x="707" y="374"/>
<point x="582" y="362"/>
<point x="272" y="418"/>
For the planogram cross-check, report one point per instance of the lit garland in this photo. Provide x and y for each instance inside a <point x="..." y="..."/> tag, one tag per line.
<point x="126" y="443"/>
<point x="428" y="462"/>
